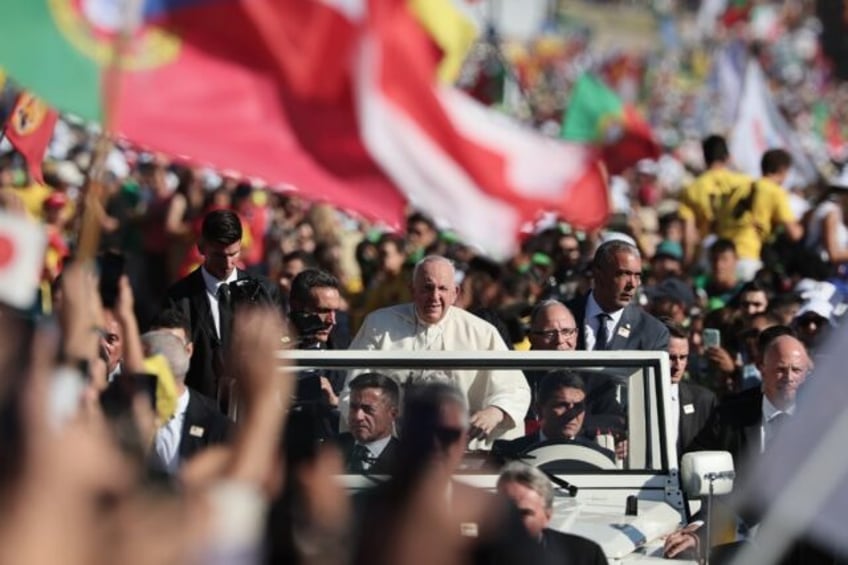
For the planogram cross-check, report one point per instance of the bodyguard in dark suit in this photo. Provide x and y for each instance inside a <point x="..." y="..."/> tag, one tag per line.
<point x="692" y="405"/>
<point x="206" y="297"/>
<point x="370" y="447"/>
<point x="747" y="422"/>
<point x="531" y="491"/>
<point x="606" y="319"/>
<point x="196" y="423"/>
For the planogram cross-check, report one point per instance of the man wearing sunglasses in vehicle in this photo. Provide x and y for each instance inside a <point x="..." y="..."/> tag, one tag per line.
<point x="562" y="406"/>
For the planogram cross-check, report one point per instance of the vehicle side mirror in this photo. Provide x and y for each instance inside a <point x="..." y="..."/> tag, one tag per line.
<point x="701" y="470"/>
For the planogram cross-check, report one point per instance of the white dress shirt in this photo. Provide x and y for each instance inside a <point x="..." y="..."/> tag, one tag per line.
<point x="770" y="412"/>
<point x="212" y="285"/>
<point x="591" y="322"/>
<point x="675" y="411"/>
<point x="168" y="436"/>
<point x="375" y="449"/>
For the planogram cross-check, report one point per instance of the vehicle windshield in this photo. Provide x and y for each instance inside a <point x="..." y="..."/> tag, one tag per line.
<point x="590" y="412"/>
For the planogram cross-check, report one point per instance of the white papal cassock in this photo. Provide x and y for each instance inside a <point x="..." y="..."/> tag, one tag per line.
<point x="398" y="328"/>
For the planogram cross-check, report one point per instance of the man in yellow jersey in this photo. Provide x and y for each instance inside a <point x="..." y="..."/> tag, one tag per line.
<point x="750" y="213"/>
<point x="699" y="200"/>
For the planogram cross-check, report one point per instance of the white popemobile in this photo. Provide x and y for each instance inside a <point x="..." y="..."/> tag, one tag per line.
<point x="627" y="506"/>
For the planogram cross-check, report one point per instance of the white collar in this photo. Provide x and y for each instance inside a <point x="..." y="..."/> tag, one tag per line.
<point x="419" y="323"/>
<point x="376" y="447"/>
<point x="182" y="404"/>
<point x="213" y="283"/>
<point x="593" y="309"/>
<point x="770" y="410"/>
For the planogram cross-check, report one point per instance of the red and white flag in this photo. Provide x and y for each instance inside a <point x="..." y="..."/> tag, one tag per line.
<point x="456" y="158"/>
<point x="449" y="155"/>
<point x="22" y="245"/>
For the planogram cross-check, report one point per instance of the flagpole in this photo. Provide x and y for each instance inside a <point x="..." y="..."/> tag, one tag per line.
<point x="89" y="230"/>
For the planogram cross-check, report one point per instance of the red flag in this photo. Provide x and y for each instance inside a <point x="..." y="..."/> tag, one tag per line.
<point x="29" y="129"/>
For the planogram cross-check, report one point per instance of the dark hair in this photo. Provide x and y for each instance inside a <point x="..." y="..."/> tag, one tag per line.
<point x="378" y="380"/>
<point x="715" y="150"/>
<point x="305" y="281"/>
<point x="299" y="254"/>
<point x="768" y="335"/>
<point x="754" y="286"/>
<point x="722" y="246"/>
<point x="398" y="241"/>
<point x="775" y="161"/>
<point x="418" y="217"/>
<point x="605" y="254"/>
<point x="676" y="330"/>
<point x="172" y="319"/>
<point x="556" y="380"/>
<point x="221" y="226"/>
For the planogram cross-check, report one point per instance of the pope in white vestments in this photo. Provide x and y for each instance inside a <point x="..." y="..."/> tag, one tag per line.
<point x="497" y="399"/>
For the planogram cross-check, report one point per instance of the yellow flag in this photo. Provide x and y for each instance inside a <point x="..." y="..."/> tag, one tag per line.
<point x="166" y="388"/>
<point x="452" y="30"/>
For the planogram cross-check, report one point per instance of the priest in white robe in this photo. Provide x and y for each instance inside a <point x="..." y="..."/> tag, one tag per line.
<point x="497" y="399"/>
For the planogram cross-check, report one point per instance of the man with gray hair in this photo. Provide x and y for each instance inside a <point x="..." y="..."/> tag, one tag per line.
<point x="531" y="492"/>
<point x="497" y="400"/>
<point x="606" y="317"/>
<point x="196" y="423"/>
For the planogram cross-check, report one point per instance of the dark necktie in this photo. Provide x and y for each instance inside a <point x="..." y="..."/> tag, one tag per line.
<point x="602" y="335"/>
<point x="359" y="456"/>
<point x="225" y="314"/>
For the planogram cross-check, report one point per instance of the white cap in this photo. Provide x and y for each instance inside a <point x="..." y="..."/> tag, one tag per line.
<point x="817" y="306"/>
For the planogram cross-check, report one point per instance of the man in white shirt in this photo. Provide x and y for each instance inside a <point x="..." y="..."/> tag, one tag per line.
<point x="196" y="422"/>
<point x="498" y="400"/>
<point x="691" y="405"/>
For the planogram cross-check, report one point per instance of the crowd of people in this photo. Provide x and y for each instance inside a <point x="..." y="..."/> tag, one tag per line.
<point x="143" y="416"/>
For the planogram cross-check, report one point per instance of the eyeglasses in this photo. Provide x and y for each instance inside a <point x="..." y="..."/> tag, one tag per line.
<point x="678" y="357"/>
<point x="554" y="334"/>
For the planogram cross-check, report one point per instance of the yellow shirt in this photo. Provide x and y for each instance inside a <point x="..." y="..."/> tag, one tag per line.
<point x="33" y="197"/>
<point x="700" y="199"/>
<point x="749" y="214"/>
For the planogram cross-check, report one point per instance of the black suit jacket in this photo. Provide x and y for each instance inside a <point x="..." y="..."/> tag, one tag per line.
<point x="735" y="426"/>
<point x="560" y="548"/>
<point x="385" y="463"/>
<point x="189" y="295"/>
<point x="203" y="426"/>
<point x="636" y="329"/>
<point x="697" y="405"/>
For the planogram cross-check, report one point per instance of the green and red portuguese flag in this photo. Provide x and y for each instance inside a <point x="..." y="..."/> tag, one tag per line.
<point x="336" y="98"/>
<point x="596" y="115"/>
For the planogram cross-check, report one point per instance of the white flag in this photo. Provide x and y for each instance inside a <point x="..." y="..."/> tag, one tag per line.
<point x="760" y="127"/>
<point x="22" y="245"/>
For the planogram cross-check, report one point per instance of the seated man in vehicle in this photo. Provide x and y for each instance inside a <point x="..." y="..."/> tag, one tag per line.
<point x="562" y="405"/>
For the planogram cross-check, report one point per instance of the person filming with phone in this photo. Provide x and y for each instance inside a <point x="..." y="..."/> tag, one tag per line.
<point x="314" y="301"/>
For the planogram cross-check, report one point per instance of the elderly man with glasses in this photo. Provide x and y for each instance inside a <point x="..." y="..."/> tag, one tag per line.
<point x="553" y="328"/>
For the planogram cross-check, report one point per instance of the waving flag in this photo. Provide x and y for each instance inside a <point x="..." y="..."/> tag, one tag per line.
<point x="336" y="97"/>
<point x="29" y="127"/>
<point x="760" y="126"/>
<point x="595" y="114"/>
